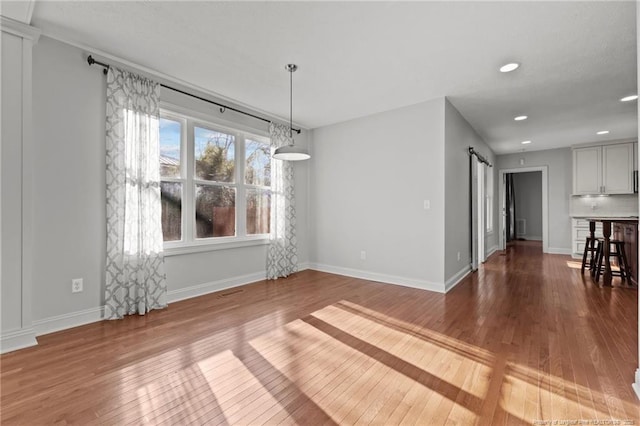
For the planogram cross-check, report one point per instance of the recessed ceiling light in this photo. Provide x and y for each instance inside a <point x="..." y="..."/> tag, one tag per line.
<point x="629" y="98"/>
<point x="521" y="117"/>
<point x="602" y="132"/>
<point x="525" y="142"/>
<point x="509" y="67"/>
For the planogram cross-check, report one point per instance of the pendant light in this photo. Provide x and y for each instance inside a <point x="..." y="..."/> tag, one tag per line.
<point x="291" y="152"/>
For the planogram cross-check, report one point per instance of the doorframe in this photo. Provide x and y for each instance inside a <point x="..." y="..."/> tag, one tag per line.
<point x="545" y="203"/>
<point x="478" y="229"/>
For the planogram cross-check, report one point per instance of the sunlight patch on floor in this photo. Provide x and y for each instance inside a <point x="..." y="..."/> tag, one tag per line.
<point x="234" y="387"/>
<point x="574" y="264"/>
<point x="455" y="345"/>
<point x="410" y="346"/>
<point x="564" y="396"/>
<point x="344" y="353"/>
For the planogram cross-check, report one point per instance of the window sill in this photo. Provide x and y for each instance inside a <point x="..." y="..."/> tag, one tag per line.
<point x="176" y="250"/>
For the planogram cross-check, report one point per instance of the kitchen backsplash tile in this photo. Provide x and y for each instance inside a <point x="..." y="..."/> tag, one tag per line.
<point x="612" y="205"/>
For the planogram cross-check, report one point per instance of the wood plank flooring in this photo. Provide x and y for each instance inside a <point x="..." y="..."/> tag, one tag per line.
<point x="526" y="338"/>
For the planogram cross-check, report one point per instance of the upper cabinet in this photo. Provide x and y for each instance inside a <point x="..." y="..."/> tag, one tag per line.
<point x="606" y="169"/>
<point x="587" y="170"/>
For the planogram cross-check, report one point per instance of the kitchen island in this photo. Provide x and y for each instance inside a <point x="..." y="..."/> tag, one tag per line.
<point x="626" y="231"/>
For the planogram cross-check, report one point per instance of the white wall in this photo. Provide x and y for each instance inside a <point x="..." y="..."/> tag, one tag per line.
<point x="369" y="180"/>
<point x="459" y="136"/>
<point x="69" y="214"/>
<point x="559" y="166"/>
<point x="69" y="165"/>
<point x="528" y="191"/>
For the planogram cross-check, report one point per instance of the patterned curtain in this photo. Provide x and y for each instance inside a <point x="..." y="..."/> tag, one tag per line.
<point x="135" y="278"/>
<point x="282" y="255"/>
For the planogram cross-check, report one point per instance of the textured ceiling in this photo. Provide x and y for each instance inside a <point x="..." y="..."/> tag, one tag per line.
<point x="359" y="58"/>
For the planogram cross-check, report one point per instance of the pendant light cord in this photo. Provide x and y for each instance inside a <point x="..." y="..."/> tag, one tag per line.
<point x="291" y="104"/>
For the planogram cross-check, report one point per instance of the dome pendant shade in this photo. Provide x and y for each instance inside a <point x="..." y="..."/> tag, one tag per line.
<point x="291" y="153"/>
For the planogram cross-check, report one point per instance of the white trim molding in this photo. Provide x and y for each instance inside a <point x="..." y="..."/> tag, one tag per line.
<point x="491" y="251"/>
<point x="213" y="286"/>
<point x="558" y="250"/>
<point x="199" y="248"/>
<point x="70" y="320"/>
<point x="457" y="278"/>
<point x="383" y="278"/>
<point x="636" y="385"/>
<point x="19" y="29"/>
<point x="25" y="335"/>
<point x="545" y="203"/>
<point x="19" y="339"/>
<point x="24" y="338"/>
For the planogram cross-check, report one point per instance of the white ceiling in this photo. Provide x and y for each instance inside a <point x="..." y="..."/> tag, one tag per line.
<point x="360" y="58"/>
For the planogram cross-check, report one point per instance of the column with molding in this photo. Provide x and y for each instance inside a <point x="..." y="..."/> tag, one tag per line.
<point x="16" y="185"/>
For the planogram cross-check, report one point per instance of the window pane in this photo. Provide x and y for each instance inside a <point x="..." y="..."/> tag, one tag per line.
<point x="170" y="136"/>
<point x="258" y="163"/>
<point x="258" y="211"/>
<point x="215" y="211"/>
<point x="171" y="199"/>
<point x="214" y="153"/>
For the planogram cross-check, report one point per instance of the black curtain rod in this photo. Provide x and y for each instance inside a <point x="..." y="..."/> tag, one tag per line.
<point x="223" y="107"/>
<point x="480" y="157"/>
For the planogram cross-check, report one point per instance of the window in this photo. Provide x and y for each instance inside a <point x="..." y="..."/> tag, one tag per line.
<point x="215" y="182"/>
<point x="489" y="198"/>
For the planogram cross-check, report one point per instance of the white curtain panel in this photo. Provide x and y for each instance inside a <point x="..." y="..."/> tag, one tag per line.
<point x="135" y="278"/>
<point x="282" y="255"/>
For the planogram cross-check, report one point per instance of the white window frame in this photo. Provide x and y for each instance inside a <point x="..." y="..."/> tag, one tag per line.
<point x="189" y="243"/>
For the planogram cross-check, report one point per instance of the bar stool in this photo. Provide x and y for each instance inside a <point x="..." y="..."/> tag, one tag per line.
<point x="618" y="254"/>
<point x="591" y="253"/>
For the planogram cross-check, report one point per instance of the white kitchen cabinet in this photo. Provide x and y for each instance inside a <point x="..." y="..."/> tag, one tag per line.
<point x="579" y="234"/>
<point x="617" y="169"/>
<point x="606" y="169"/>
<point x="587" y="170"/>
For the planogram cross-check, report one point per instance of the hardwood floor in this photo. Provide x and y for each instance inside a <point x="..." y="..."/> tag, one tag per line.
<point x="525" y="338"/>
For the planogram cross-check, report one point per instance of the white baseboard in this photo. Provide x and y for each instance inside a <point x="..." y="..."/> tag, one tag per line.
<point x="87" y="316"/>
<point x="24" y="338"/>
<point x="70" y="320"/>
<point x="457" y="278"/>
<point x="210" y="287"/>
<point x="383" y="278"/>
<point x="18" y="339"/>
<point x="556" y="250"/>
<point x="491" y="251"/>
<point x="27" y="337"/>
<point x="636" y="385"/>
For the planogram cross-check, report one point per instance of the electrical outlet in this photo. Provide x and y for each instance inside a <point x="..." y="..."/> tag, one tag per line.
<point x="427" y="204"/>
<point x="363" y="255"/>
<point x="458" y="256"/>
<point x="76" y="285"/>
